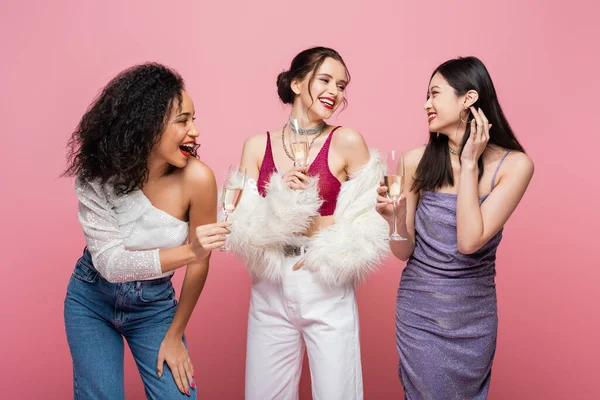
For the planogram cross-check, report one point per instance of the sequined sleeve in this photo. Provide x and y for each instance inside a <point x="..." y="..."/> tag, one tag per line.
<point x="104" y="239"/>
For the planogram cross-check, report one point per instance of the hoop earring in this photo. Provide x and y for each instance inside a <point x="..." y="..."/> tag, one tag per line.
<point x="460" y="116"/>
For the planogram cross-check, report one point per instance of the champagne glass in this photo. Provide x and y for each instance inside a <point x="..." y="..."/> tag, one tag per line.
<point x="394" y="180"/>
<point x="299" y="146"/>
<point x="233" y="187"/>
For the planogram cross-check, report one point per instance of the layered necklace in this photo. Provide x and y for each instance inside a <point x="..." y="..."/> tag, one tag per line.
<point x="308" y="131"/>
<point x="317" y="131"/>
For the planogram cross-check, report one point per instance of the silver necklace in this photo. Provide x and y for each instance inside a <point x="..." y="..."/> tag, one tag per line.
<point x="453" y="151"/>
<point x="285" y="147"/>
<point x="308" y="131"/>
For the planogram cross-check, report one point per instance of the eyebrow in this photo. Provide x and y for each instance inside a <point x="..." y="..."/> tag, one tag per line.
<point x="434" y="87"/>
<point x="331" y="77"/>
<point x="186" y="114"/>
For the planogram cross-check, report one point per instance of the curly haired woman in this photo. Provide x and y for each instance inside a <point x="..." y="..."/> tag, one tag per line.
<point x="147" y="208"/>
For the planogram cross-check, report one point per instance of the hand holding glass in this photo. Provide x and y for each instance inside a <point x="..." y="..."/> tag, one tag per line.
<point x="233" y="188"/>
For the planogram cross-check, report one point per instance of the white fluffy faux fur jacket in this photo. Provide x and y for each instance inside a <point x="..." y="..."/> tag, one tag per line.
<point x="343" y="253"/>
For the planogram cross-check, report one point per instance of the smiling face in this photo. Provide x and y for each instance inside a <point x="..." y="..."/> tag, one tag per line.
<point x="178" y="140"/>
<point x="327" y="85"/>
<point x="444" y="106"/>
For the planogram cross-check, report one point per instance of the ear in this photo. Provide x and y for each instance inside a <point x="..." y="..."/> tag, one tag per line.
<point x="295" y="86"/>
<point x="470" y="98"/>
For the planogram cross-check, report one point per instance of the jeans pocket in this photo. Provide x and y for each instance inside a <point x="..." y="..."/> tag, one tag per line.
<point x="151" y="292"/>
<point x="84" y="273"/>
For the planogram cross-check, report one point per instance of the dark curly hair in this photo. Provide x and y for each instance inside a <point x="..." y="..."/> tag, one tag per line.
<point x="116" y="134"/>
<point x="305" y="62"/>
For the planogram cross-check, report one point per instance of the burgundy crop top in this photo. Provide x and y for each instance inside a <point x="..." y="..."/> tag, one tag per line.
<point x="329" y="186"/>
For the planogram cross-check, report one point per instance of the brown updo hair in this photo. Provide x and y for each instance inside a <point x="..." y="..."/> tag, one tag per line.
<point x="305" y="62"/>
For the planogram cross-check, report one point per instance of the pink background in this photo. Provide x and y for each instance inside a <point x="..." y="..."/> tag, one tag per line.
<point x="57" y="55"/>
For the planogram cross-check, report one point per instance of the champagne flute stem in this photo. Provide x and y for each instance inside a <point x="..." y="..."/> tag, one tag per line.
<point x="225" y="246"/>
<point x="394" y="217"/>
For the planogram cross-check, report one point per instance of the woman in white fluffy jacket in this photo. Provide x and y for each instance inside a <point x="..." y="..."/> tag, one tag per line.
<point x="308" y="236"/>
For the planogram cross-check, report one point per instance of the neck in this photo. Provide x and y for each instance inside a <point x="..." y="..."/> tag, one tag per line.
<point x="306" y="119"/>
<point x="157" y="168"/>
<point x="455" y="139"/>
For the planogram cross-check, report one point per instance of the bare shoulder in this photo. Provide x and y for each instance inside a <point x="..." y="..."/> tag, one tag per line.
<point x="198" y="174"/>
<point x="258" y="140"/>
<point x="255" y="145"/>
<point x="412" y="157"/>
<point x="348" y="137"/>
<point x="352" y="147"/>
<point x="200" y="190"/>
<point x="351" y="144"/>
<point x="519" y="164"/>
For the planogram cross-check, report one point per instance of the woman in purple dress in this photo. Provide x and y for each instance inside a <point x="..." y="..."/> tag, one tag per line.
<point x="461" y="189"/>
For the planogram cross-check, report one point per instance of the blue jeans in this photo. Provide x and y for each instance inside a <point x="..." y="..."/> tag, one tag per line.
<point x="99" y="314"/>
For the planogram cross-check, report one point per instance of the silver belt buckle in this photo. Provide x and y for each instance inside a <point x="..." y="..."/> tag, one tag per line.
<point x="294" y="251"/>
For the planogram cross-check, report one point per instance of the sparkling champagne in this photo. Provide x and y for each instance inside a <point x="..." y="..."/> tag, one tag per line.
<point x="231" y="198"/>
<point x="395" y="185"/>
<point x="300" y="150"/>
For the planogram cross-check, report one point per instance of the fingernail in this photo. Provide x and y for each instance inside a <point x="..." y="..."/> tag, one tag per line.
<point x="187" y="391"/>
<point x="193" y="385"/>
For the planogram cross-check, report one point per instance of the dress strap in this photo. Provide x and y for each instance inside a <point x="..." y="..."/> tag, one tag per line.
<point x="498" y="167"/>
<point x="268" y="163"/>
<point x="328" y="141"/>
<point x="324" y="152"/>
<point x="269" y="150"/>
<point x="335" y="129"/>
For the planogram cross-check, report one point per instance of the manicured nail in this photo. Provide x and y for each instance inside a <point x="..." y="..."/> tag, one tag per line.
<point x="193" y="385"/>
